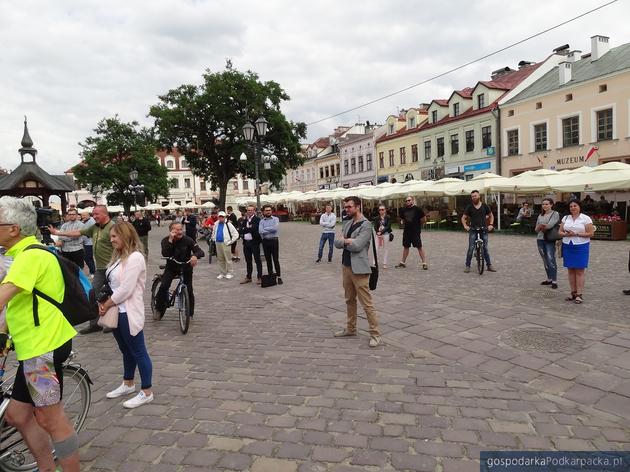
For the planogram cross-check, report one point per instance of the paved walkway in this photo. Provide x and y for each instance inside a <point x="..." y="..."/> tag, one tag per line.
<point x="469" y="363"/>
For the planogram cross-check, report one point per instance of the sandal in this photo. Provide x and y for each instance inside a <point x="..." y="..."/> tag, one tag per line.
<point x="578" y="299"/>
<point x="571" y="298"/>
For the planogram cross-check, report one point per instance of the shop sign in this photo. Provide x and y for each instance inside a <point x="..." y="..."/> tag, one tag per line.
<point x="479" y="166"/>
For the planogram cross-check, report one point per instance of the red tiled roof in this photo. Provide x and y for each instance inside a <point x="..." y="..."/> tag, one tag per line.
<point x="465" y="92"/>
<point x="322" y="143"/>
<point x="467" y="114"/>
<point x="511" y="79"/>
<point x="401" y="132"/>
<point x="443" y="102"/>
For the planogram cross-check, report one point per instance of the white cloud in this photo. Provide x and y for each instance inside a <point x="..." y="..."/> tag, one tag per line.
<point x="67" y="64"/>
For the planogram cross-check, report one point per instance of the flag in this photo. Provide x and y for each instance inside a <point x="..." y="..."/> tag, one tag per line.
<point x="591" y="151"/>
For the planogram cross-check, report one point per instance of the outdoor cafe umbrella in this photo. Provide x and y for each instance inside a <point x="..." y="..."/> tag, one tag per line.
<point x="532" y="181"/>
<point x="437" y="188"/>
<point x="609" y="176"/>
<point x="484" y="183"/>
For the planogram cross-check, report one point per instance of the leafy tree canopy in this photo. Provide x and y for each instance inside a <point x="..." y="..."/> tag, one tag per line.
<point x="205" y="123"/>
<point x="115" y="149"/>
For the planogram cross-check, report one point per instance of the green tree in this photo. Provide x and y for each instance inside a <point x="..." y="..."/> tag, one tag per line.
<point x="205" y="123"/>
<point x="115" y="149"/>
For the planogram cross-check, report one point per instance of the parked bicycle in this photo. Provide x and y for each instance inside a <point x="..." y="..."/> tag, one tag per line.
<point x="177" y="297"/>
<point x="15" y="455"/>
<point x="479" y="249"/>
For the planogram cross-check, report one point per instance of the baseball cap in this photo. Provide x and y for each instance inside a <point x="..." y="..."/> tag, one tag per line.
<point x="221" y="213"/>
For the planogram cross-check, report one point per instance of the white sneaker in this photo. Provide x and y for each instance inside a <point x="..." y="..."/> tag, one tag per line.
<point x="220" y="276"/>
<point x="229" y="276"/>
<point x="138" y="400"/>
<point x="120" y="391"/>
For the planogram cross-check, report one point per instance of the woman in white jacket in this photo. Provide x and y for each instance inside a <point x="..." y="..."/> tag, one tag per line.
<point x="126" y="275"/>
<point x="224" y="234"/>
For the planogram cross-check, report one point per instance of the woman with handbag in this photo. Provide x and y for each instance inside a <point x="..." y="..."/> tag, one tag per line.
<point x="384" y="235"/>
<point x="576" y="230"/>
<point x="126" y="275"/>
<point x="547" y="227"/>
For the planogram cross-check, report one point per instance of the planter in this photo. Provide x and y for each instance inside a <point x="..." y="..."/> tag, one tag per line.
<point x="610" y="230"/>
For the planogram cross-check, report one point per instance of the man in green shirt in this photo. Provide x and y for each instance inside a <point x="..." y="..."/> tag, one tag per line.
<point x="35" y="408"/>
<point x="99" y="233"/>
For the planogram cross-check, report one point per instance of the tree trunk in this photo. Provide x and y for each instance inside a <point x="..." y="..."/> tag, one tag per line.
<point x="222" y="194"/>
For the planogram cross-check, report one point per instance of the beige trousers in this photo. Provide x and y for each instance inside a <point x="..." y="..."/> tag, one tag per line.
<point x="358" y="286"/>
<point x="224" y="256"/>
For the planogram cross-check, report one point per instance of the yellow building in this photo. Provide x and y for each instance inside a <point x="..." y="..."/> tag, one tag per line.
<point x="577" y="114"/>
<point x="397" y="151"/>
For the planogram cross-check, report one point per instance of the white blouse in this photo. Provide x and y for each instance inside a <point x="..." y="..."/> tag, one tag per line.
<point x="577" y="225"/>
<point x="113" y="276"/>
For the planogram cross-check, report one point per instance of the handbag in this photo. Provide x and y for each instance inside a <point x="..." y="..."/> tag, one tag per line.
<point x="553" y="233"/>
<point x="109" y="319"/>
<point x="268" y="280"/>
<point x="391" y="237"/>
<point x="374" y="275"/>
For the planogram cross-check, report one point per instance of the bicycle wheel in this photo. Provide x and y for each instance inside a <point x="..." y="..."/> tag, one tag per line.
<point x="154" y="290"/>
<point x="77" y="395"/>
<point x="479" y="256"/>
<point x="184" y="309"/>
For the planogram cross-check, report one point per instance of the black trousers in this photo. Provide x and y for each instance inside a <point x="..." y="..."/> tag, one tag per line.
<point x="167" y="278"/>
<point x="271" y="248"/>
<point x="252" y="249"/>
<point x="78" y="257"/>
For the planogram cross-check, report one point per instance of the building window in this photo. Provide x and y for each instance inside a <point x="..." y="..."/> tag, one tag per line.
<point x="510" y="112"/>
<point x="175" y="183"/>
<point x="540" y="137"/>
<point x="412" y="122"/>
<point x="455" y="109"/>
<point x="390" y="129"/>
<point x="338" y="167"/>
<point x="427" y="149"/>
<point x="360" y="163"/>
<point x="568" y="97"/>
<point x="235" y="185"/>
<point x="605" y="124"/>
<point x="381" y="160"/>
<point x="603" y="88"/>
<point x="571" y="131"/>
<point x="440" y="147"/>
<point x="481" y="100"/>
<point x="321" y="172"/>
<point x="169" y="164"/>
<point x="202" y="185"/>
<point x="470" y="141"/>
<point x="403" y="156"/>
<point x="486" y="137"/>
<point x="454" y="143"/>
<point x="245" y="184"/>
<point x="353" y="166"/>
<point x="332" y="170"/>
<point x="391" y="158"/>
<point x="512" y="139"/>
<point x="186" y="183"/>
<point x="538" y="105"/>
<point x="434" y="116"/>
<point x="184" y="163"/>
<point x="368" y="162"/>
<point x="345" y="167"/>
<point x="414" y="153"/>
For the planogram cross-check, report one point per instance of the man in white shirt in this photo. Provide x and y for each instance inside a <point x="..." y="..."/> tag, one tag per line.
<point x="327" y="221"/>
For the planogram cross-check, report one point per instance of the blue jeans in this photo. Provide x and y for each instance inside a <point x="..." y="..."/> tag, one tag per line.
<point x="134" y="352"/>
<point x="89" y="258"/>
<point x="547" y="250"/>
<point x="330" y="237"/>
<point x="472" y="237"/>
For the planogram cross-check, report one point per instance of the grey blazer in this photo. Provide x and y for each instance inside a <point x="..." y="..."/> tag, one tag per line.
<point x="360" y="247"/>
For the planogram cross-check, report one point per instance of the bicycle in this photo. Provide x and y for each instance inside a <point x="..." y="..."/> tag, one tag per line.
<point x="178" y="297"/>
<point x="479" y="249"/>
<point x="15" y="455"/>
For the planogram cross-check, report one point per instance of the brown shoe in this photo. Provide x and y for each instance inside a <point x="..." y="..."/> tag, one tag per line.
<point x="246" y="280"/>
<point x="258" y="281"/>
<point x="344" y="333"/>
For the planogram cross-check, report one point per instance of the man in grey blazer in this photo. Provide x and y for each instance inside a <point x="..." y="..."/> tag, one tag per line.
<point x="357" y="237"/>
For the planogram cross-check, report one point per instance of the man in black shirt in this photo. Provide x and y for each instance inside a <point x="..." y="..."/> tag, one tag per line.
<point x="477" y="215"/>
<point x="190" y="224"/>
<point x="248" y="229"/>
<point x="143" y="226"/>
<point x="181" y="248"/>
<point x="231" y="217"/>
<point x="412" y="218"/>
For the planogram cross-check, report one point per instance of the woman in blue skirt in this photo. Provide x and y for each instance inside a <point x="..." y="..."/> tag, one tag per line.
<point x="576" y="230"/>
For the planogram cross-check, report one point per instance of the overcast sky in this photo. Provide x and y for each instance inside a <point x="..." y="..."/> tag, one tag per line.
<point x="66" y="64"/>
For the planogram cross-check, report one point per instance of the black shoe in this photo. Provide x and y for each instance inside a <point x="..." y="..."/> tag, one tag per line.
<point x="318" y="261"/>
<point x="546" y="282"/>
<point x="626" y="292"/>
<point x="329" y="261"/>
<point x="554" y="285"/>
<point x="280" y="282"/>
<point x="90" y="329"/>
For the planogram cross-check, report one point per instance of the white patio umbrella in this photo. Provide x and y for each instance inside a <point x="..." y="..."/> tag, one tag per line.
<point x="532" y="181"/>
<point x="306" y="196"/>
<point x="401" y="190"/>
<point x="376" y="192"/>
<point x="209" y="205"/>
<point x="485" y="183"/>
<point x="152" y="206"/>
<point x="438" y="188"/>
<point x="609" y="176"/>
<point x="171" y="206"/>
<point x="115" y="208"/>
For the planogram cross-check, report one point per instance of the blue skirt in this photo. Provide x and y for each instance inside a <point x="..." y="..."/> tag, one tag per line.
<point x="575" y="256"/>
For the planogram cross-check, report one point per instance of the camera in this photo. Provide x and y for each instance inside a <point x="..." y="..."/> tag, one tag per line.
<point x="105" y="293"/>
<point x="44" y="218"/>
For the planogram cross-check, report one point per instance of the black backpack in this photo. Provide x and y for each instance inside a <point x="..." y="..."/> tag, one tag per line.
<point x="79" y="302"/>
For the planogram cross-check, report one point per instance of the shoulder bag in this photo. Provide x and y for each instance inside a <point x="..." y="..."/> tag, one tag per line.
<point x="374" y="275"/>
<point x="553" y="233"/>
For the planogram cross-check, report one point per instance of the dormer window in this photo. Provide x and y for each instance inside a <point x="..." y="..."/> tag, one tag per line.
<point x="390" y="128"/>
<point x="412" y="122"/>
<point x="434" y="116"/>
<point x="455" y="109"/>
<point x="169" y="164"/>
<point x="184" y="163"/>
<point x="481" y="101"/>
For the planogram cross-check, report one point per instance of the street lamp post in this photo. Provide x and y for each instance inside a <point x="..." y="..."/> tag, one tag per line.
<point x="134" y="188"/>
<point x="253" y="134"/>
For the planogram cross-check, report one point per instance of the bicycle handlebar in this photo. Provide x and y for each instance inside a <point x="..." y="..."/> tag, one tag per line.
<point x="176" y="261"/>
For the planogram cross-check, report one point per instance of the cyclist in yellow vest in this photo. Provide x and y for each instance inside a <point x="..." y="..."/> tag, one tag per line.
<point x="35" y="408"/>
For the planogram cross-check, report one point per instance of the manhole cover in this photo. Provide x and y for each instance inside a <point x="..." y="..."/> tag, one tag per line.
<point x="542" y="294"/>
<point x="539" y="339"/>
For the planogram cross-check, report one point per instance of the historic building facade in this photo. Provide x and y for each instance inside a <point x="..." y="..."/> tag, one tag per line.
<point x="358" y="157"/>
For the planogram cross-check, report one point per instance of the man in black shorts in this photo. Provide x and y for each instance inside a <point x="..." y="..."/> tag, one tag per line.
<point x="412" y="217"/>
<point x="477" y="215"/>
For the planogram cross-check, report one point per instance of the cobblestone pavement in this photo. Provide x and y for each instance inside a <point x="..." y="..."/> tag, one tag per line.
<point x="469" y="363"/>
